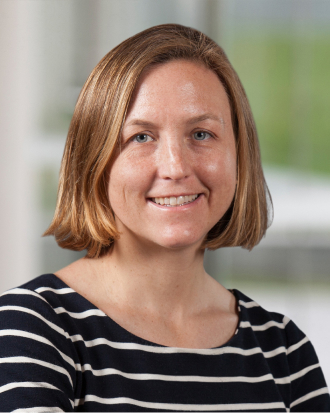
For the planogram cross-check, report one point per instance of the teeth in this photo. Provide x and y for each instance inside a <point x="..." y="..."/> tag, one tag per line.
<point x="175" y="201"/>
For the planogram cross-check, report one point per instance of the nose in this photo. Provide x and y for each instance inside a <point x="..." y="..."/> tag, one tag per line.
<point x="173" y="162"/>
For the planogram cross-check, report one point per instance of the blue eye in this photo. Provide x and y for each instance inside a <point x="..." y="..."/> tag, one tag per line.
<point x="201" y="135"/>
<point x="142" y="138"/>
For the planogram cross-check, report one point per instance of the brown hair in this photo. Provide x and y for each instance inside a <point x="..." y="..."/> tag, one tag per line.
<point x="83" y="218"/>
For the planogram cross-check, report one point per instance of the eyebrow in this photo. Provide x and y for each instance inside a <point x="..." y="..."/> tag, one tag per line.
<point x="139" y="122"/>
<point x="191" y="121"/>
<point x="206" y="116"/>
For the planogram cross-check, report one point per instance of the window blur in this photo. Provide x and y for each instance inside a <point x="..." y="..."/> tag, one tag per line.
<point x="281" y="51"/>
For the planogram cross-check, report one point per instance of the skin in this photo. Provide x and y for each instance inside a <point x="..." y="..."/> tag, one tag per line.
<point x="177" y="140"/>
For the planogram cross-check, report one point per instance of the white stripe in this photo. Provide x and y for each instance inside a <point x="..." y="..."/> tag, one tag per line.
<point x="164" y="377"/>
<point x="34" y="313"/>
<point x="180" y="407"/>
<point x="262" y="327"/>
<point x="283" y="380"/>
<point x="23" y="291"/>
<point x="304" y="371"/>
<point x="309" y="396"/>
<point x="31" y="384"/>
<point x="171" y="350"/>
<point x="248" y="304"/>
<point x="83" y="314"/>
<point x="20" y="333"/>
<point x="294" y="376"/>
<point x="297" y="345"/>
<point x="200" y="379"/>
<point x="273" y="353"/>
<point x="21" y="359"/>
<point x="167" y="350"/>
<point x="286" y="320"/>
<point x="38" y="409"/>
<point x="66" y="290"/>
<point x="18" y="384"/>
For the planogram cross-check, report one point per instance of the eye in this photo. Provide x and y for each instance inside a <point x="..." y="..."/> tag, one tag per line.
<point x="142" y="138"/>
<point x="201" y="135"/>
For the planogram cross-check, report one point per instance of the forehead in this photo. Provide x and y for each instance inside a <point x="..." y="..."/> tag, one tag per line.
<point x="180" y="85"/>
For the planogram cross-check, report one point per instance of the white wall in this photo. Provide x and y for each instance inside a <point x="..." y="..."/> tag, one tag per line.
<point x="18" y="106"/>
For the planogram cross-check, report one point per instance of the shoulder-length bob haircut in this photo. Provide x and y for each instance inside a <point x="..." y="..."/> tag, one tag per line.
<point x="83" y="217"/>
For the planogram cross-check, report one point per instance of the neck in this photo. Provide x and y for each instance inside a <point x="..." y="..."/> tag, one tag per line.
<point x="159" y="279"/>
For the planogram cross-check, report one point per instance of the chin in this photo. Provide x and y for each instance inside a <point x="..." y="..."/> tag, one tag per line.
<point x="178" y="243"/>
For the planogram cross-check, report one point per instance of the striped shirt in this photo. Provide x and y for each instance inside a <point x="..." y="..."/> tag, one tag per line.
<point x="58" y="352"/>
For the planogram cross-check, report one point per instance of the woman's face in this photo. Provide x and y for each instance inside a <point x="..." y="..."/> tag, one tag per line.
<point x="175" y="176"/>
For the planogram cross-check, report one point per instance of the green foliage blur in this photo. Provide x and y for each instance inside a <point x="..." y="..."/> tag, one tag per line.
<point x="287" y="80"/>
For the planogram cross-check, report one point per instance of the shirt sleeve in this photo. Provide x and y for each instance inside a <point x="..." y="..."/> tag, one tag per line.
<point x="37" y="368"/>
<point x="309" y="392"/>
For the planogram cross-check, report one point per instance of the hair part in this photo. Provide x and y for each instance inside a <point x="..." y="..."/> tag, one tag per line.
<point x="83" y="217"/>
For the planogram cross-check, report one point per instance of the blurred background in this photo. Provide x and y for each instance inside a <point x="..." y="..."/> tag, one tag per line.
<point x="281" y="51"/>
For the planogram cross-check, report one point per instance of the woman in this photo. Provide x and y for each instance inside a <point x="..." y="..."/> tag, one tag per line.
<point x="161" y="162"/>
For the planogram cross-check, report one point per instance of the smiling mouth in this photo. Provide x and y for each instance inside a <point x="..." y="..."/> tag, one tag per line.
<point x="175" y="200"/>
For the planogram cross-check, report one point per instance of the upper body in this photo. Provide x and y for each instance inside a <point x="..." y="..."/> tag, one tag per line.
<point x="61" y="353"/>
<point x="162" y="161"/>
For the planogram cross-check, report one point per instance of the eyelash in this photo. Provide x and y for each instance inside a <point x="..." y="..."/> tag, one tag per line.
<point x="134" y="139"/>
<point x="205" y="132"/>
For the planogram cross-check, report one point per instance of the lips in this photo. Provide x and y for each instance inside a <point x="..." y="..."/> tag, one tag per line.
<point x="175" y="200"/>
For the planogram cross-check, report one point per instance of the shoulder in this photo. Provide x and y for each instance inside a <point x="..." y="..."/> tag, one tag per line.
<point x="273" y="331"/>
<point x="29" y="295"/>
<point x="269" y="326"/>
<point x="44" y="300"/>
<point x="33" y="298"/>
<point x="258" y="318"/>
<point x="287" y="350"/>
<point x="35" y="348"/>
<point x="27" y="312"/>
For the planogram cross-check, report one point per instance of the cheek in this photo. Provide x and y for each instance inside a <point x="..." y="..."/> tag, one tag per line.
<point x="127" y="177"/>
<point x="222" y="170"/>
<point x="221" y="181"/>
